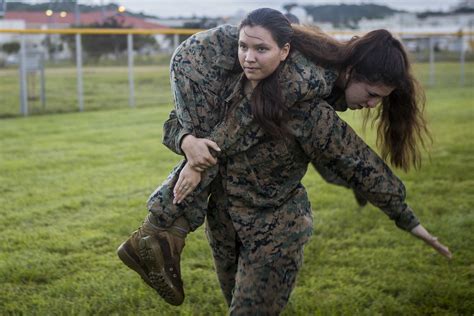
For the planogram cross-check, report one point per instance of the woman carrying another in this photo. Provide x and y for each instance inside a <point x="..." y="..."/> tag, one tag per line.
<point x="259" y="199"/>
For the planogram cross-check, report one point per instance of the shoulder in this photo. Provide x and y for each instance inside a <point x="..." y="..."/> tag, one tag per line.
<point x="307" y="79"/>
<point x="217" y="46"/>
<point x="207" y="57"/>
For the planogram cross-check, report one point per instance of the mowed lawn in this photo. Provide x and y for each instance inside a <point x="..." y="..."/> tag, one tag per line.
<point x="103" y="88"/>
<point x="74" y="186"/>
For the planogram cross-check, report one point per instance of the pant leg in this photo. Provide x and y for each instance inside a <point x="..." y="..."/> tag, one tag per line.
<point x="250" y="288"/>
<point x="193" y="208"/>
<point x="265" y="290"/>
<point x="223" y="239"/>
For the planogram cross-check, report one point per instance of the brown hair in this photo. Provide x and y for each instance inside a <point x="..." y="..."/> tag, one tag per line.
<point x="375" y="58"/>
<point x="268" y="105"/>
<point x="379" y="58"/>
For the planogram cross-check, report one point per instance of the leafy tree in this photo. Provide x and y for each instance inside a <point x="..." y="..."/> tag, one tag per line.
<point x="99" y="45"/>
<point x="11" y="47"/>
<point x="201" y="23"/>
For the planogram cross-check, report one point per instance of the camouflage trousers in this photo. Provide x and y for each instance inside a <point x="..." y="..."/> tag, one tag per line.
<point x="193" y="208"/>
<point x="250" y="287"/>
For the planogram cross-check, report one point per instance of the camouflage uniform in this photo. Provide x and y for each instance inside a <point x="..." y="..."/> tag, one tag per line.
<point x="337" y="100"/>
<point x="201" y="68"/>
<point x="259" y="215"/>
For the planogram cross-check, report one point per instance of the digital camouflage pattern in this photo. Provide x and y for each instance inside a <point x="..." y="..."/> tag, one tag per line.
<point x="242" y="280"/>
<point x="200" y="68"/>
<point x="267" y="209"/>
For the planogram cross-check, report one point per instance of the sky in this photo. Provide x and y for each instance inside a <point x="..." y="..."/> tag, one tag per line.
<point x="212" y="8"/>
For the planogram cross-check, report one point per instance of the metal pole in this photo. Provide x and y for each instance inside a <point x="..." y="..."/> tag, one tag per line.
<point x="3" y="7"/>
<point x="102" y="11"/>
<point x="131" y="94"/>
<point x="176" y="40"/>
<point x="432" y="61"/>
<point x="23" y="83"/>
<point x="79" y="72"/>
<point x="77" y="13"/>
<point x="462" y="59"/>
<point x="43" y="89"/>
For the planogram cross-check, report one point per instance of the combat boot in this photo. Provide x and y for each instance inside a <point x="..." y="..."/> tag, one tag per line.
<point x="154" y="253"/>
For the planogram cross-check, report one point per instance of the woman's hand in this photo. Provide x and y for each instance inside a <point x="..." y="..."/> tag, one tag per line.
<point x="187" y="182"/>
<point x="197" y="152"/>
<point x="420" y="232"/>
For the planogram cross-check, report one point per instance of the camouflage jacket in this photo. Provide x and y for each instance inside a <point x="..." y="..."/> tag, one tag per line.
<point x="268" y="204"/>
<point x="261" y="175"/>
<point x="209" y="59"/>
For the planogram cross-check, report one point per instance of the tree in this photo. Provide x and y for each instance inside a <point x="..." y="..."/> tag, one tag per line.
<point x="99" y="45"/>
<point x="11" y="48"/>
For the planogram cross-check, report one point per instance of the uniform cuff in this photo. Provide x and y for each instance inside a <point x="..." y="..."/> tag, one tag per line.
<point x="179" y="139"/>
<point x="407" y="220"/>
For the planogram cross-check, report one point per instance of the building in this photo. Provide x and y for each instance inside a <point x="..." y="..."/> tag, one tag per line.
<point x="63" y="20"/>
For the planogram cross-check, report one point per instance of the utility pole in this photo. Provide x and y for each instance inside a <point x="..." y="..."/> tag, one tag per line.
<point x="3" y="8"/>
<point x="102" y="10"/>
<point x="77" y="13"/>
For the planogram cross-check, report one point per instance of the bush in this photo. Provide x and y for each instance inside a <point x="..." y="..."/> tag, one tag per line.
<point x="11" y="47"/>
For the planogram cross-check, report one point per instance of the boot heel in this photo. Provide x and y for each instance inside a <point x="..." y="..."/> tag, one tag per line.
<point x="150" y="251"/>
<point x="129" y="261"/>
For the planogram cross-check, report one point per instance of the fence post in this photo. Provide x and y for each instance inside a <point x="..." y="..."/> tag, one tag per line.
<point x="43" y="88"/>
<point x="23" y="83"/>
<point x="131" y="85"/>
<point x="462" y="58"/>
<point x="432" y="61"/>
<point x="175" y="40"/>
<point x="80" y="99"/>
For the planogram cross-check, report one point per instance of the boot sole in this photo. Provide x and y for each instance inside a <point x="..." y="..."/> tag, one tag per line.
<point x="130" y="262"/>
<point x="153" y="257"/>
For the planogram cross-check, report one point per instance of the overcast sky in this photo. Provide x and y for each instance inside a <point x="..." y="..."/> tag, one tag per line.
<point x="167" y="8"/>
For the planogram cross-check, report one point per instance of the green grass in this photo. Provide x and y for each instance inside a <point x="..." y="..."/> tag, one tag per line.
<point x="104" y="88"/>
<point x="73" y="186"/>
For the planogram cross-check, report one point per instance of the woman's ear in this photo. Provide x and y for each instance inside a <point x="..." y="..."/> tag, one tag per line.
<point x="285" y="50"/>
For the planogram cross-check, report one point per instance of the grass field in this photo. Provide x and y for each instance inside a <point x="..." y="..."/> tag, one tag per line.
<point x="73" y="186"/>
<point x="104" y="88"/>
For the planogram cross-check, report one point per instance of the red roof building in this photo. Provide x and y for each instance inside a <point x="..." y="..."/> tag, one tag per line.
<point x="39" y="19"/>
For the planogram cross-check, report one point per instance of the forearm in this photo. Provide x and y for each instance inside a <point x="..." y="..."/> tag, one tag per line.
<point x="327" y="139"/>
<point x="173" y="133"/>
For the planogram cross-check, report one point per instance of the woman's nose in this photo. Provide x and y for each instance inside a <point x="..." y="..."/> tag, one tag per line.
<point x="249" y="57"/>
<point x="372" y="103"/>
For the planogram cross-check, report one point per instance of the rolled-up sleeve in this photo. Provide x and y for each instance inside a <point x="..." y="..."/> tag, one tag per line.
<point x="326" y="138"/>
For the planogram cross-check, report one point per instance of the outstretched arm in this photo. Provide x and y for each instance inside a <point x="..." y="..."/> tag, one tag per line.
<point x="420" y="232"/>
<point x="325" y="137"/>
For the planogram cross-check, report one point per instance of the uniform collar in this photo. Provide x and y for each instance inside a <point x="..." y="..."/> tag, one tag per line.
<point x="237" y="83"/>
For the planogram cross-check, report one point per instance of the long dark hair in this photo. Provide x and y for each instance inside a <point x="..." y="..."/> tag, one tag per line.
<point x="379" y="58"/>
<point x="375" y="58"/>
<point x="268" y="105"/>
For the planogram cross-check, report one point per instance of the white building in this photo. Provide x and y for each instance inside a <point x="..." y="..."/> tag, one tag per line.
<point x="410" y="23"/>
